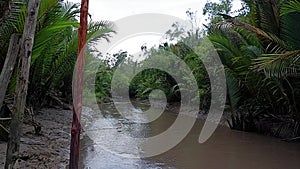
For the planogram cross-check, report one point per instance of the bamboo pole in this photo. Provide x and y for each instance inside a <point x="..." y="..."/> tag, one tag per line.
<point x="78" y="86"/>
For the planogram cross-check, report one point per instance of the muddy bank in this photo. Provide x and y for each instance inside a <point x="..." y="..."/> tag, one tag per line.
<point x="49" y="149"/>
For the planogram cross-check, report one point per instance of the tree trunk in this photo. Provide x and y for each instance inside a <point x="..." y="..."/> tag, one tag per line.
<point x="13" y="144"/>
<point x="9" y="64"/>
<point x="78" y="86"/>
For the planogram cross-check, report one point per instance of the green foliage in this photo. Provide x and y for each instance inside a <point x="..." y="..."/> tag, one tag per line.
<point x="259" y="48"/>
<point x="51" y="66"/>
<point x="151" y="79"/>
<point x="290" y="7"/>
<point x="11" y="21"/>
<point x="97" y="78"/>
<point x="263" y="71"/>
<point x="55" y="46"/>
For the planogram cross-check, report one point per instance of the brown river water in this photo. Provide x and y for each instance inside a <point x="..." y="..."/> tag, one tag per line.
<point x="103" y="146"/>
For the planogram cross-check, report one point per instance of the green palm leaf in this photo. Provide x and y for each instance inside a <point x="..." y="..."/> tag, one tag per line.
<point x="290" y="7"/>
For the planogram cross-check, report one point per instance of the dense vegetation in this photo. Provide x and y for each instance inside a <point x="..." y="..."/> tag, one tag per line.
<point x="259" y="47"/>
<point x="53" y="56"/>
<point x="260" y="53"/>
<point x="55" y="47"/>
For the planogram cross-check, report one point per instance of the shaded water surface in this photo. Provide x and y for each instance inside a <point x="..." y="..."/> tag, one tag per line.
<point x="103" y="146"/>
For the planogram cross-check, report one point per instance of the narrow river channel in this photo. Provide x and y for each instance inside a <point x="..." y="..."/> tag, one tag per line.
<point x="104" y="147"/>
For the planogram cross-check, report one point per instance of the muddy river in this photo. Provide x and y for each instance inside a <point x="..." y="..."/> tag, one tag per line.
<point x="104" y="146"/>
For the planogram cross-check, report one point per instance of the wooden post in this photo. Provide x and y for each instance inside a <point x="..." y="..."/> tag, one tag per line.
<point x="9" y="64"/>
<point x="78" y="86"/>
<point x="13" y="144"/>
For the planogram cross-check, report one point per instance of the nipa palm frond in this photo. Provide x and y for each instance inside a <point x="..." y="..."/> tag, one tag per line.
<point x="11" y="23"/>
<point x="290" y="7"/>
<point x="279" y="65"/>
<point x="100" y="30"/>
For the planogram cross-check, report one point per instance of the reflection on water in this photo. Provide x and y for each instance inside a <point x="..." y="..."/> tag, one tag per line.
<point x="103" y="146"/>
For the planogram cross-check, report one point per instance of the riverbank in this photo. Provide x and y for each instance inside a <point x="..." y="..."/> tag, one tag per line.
<point x="174" y="107"/>
<point x="49" y="149"/>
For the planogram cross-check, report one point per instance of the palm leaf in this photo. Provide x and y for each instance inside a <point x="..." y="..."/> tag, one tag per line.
<point x="233" y="89"/>
<point x="11" y="23"/>
<point x="290" y="25"/>
<point x="290" y="7"/>
<point x="279" y="65"/>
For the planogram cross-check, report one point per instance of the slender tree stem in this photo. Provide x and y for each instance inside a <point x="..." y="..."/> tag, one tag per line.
<point x="78" y="87"/>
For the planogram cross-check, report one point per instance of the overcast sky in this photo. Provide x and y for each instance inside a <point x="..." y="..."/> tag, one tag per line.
<point x="113" y="10"/>
<point x="116" y="9"/>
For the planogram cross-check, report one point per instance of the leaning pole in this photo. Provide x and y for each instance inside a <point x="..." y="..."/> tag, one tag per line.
<point x="78" y="86"/>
